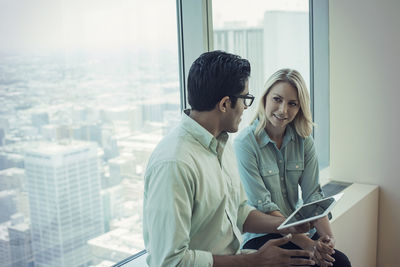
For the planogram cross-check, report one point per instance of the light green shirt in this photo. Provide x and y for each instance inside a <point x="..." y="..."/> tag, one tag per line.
<point x="194" y="204"/>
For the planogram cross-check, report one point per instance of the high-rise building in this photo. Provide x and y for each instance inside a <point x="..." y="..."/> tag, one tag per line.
<point x="20" y="242"/>
<point x="249" y="44"/>
<point x="5" y="253"/>
<point x="65" y="202"/>
<point x="281" y="30"/>
<point x="263" y="46"/>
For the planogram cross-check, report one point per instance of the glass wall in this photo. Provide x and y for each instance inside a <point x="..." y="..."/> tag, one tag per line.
<point x="87" y="90"/>
<point x="271" y="34"/>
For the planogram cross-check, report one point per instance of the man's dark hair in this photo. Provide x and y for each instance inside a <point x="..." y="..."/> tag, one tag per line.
<point x="215" y="75"/>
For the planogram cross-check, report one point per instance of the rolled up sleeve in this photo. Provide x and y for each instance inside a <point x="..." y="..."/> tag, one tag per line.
<point x="243" y="210"/>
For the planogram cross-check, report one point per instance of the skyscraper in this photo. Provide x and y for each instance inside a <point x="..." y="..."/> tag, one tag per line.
<point x="248" y="43"/>
<point x="65" y="202"/>
<point x="20" y="242"/>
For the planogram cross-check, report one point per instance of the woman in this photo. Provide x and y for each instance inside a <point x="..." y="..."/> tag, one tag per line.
<point x="275" y="155"/>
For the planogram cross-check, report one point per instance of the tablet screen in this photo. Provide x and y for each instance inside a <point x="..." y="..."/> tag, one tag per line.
<point x="311" y="210"/>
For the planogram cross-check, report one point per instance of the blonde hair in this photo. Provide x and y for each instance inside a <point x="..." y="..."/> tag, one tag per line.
<point x="303" y="123"/>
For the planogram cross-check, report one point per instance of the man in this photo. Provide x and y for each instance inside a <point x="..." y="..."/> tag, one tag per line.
<point x="195" y="208"/>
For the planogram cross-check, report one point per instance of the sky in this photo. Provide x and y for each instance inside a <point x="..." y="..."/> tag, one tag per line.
<point x="112" y="24"/>
<point x="92" y="24"/>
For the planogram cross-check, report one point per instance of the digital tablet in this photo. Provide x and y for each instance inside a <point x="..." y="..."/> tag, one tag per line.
<point x="311" y="211"/>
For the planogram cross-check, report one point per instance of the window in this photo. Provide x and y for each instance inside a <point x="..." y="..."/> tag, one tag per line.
<point x="279" y="34"/>
<point x="196" y="35"/>
<point x="270" y="34"/>
<point x="88" y="88"/>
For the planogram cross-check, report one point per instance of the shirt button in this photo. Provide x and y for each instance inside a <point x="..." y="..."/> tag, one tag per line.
<point x="269" y="171"/>
<point x="297" y="166"/>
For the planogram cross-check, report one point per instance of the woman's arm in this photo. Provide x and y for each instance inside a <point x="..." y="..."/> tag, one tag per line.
<point x="309" y="180"/>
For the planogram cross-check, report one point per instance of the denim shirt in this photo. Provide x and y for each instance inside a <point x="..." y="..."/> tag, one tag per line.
<point x="271" y="176"/>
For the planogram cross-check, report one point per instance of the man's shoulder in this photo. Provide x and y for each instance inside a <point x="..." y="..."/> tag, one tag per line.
<point x="177" y="146"/>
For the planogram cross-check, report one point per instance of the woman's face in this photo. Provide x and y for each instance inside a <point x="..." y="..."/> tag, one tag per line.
<point x="281" y="105"/>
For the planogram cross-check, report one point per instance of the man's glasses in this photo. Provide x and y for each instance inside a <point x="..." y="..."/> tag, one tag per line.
<point x="247" y="99"/>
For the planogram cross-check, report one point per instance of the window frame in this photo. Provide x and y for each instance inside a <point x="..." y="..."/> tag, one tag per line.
<point x="319" y="82"/>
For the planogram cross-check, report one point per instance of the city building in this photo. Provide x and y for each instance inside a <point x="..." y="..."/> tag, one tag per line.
<point x="20" y="242"/>
<point x="65" y="203"/>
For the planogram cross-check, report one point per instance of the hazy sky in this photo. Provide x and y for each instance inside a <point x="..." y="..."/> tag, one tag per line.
<point x="93" y="24"/>
<point x="99" y="24"/>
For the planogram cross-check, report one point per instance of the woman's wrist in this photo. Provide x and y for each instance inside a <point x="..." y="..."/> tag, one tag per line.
<point x="303" y="241"/>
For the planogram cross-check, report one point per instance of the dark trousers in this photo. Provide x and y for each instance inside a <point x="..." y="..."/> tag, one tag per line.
<point x="341" y="259"/>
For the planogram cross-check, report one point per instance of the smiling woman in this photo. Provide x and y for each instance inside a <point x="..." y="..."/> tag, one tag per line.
<point x="276" y="157"/>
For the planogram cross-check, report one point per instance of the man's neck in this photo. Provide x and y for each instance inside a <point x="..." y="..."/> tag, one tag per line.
<point x="207" y="119"/>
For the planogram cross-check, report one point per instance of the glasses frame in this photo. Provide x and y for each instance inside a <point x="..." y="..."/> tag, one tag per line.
<point x="244" y="97"/>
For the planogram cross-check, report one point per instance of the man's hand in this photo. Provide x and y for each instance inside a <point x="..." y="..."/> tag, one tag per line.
<point x="270" y="254"/>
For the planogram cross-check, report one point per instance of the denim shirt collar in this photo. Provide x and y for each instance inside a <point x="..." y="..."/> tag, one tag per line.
<point x="264" y="138"/>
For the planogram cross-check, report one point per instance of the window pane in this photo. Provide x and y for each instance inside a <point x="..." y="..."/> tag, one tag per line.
<point x="270" y="34"/>
<point x="88" y="88"/>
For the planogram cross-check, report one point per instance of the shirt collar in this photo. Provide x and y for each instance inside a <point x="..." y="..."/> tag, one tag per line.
<point x="204" y="137"/>
<point x="264" y="138"/>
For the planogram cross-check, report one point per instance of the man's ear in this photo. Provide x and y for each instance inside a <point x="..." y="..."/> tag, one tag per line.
<point x="224" y="103"/>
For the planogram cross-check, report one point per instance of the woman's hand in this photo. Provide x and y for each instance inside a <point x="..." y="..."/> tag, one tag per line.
<point x="323" y="249"/>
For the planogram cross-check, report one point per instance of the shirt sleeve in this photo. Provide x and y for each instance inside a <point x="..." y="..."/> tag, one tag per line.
<point x="259" y="196"/>
<point x="243" y="210"/>
<point x="167" y="211"/>
<point x="309" y="180"/>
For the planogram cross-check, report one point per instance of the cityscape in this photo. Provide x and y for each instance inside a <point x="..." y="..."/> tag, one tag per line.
<point x="77" y="129"/>
<point x="75" y="134"/>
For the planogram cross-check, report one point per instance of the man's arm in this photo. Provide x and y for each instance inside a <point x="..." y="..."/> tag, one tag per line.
<point x="167" y="211"/>
<point x="258" y="222"/>
<point x="269" y="254"/>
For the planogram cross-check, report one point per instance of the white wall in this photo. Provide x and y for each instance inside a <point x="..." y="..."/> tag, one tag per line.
<point x="364" y="107"/>
<point x="358" y="201"/>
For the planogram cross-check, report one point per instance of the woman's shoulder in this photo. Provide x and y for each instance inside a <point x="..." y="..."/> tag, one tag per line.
<point x="245" y="134"/>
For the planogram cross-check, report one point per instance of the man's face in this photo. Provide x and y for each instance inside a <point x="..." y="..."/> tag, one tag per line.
<point x="234" y="115"/>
